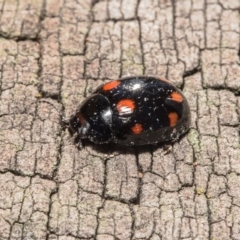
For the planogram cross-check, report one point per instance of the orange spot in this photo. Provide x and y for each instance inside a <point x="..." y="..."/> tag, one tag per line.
<point x="111" y="85"/>
<point x="173" y="118"/>
<point x="81" y="118"/>
<point x="176" y="97"/>
<point x="137" y="128"/>
<point x="125" y="106"/>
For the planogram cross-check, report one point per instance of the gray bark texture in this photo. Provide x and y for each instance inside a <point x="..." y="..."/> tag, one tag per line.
<point x="53" y="53"/>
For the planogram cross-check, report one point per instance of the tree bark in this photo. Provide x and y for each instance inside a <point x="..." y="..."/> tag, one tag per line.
<point x="53" y="54"/>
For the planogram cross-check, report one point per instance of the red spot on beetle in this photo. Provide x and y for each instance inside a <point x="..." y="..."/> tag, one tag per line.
<point x="137" y="128"/>
<point x="173" y="118"/>
<point x="111" y="85"/>
<point x="125" y="106"/>
<point x="175" y="96"/>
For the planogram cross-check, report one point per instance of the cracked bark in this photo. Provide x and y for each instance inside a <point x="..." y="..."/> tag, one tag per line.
<point x="53" y="54"/>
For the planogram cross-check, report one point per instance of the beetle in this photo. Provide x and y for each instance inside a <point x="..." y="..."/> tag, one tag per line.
<point x="137" y="110"/>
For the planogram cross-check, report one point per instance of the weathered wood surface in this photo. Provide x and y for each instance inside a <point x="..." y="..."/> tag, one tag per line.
<point x="54" y="52"/>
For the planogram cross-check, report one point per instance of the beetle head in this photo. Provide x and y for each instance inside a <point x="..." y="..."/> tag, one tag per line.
<point x="78" y="124"/>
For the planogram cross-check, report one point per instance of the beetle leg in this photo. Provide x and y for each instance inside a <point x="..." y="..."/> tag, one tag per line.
<point x="167" y="149"/>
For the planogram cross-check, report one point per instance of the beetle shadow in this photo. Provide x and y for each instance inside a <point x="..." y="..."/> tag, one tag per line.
<point x="110" y="148"/>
